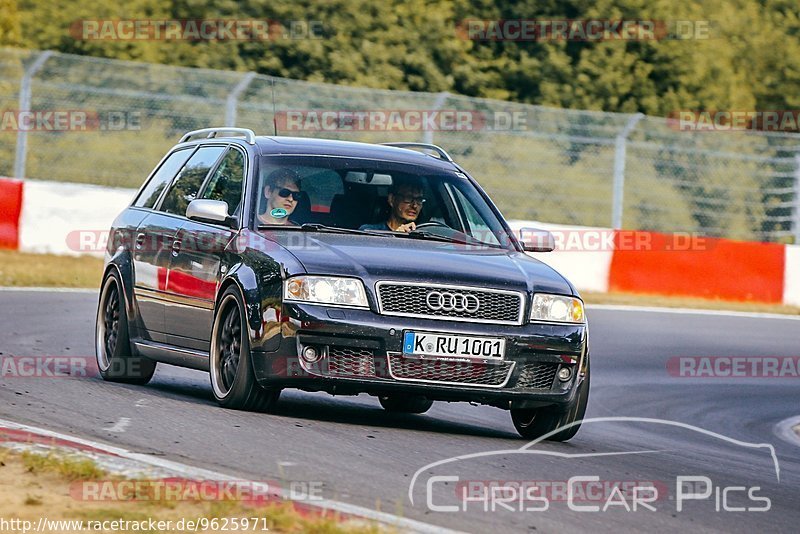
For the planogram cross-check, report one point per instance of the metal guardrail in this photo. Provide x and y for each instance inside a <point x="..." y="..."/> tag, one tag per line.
<point x="565" y="166"/>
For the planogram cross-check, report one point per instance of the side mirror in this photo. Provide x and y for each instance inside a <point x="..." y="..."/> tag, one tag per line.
<point x="536" y="240"/>
<point x="213" y="211"/>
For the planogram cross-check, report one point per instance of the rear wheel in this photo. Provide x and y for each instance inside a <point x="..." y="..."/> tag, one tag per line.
<point x="405" y="403"/>
<point x="116" y="361"/>
<point x="232" y="379"/>
<point x="535" y="423"/>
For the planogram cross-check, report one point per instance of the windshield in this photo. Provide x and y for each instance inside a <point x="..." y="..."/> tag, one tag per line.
<point x="317" y="193"/>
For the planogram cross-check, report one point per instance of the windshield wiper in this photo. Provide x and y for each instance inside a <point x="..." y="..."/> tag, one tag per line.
<point x="422" y="234"/>
<point x="316" y="227"/>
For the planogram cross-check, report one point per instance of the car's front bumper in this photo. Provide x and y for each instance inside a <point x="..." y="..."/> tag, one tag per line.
<point x="363" y="354"/>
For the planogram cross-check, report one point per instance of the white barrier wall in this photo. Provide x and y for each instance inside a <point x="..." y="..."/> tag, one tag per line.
<point x="586" y="265"/>
<point x="52" y="210"/>
<point x="791" y="277"/>
<point x="67" y="218"/>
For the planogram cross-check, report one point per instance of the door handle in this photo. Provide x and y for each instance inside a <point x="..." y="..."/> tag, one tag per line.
<point x="139" y="241"/>
<point x="176" y="247"/>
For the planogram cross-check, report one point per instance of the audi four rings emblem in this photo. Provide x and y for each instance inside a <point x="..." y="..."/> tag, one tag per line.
<point x="452" y="302"/>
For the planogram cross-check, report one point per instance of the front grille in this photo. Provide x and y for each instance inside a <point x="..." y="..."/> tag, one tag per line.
<point x="350" y="362"/>
<point x="449" y="371"/>
<point x="410" y="300"/>
<point x="537" y="375"/>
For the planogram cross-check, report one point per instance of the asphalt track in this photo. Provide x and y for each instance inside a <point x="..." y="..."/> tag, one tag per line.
<point x="364" y="456"/>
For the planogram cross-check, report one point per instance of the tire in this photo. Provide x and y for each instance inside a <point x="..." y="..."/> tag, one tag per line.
<point x="116" y="360"/>
<point x="405" y="404"/>
<point x="232" y="378"/>
<point x="535" y="423"/>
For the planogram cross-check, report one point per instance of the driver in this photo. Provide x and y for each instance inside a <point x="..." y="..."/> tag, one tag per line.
<point x="405" y="203"/>
<point x="282" y="191"/>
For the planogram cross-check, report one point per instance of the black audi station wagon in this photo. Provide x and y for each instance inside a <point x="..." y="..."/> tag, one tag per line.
<point x="275" y="262"/>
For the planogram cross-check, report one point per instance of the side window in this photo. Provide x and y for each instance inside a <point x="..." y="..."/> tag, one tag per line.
<point x="226" y="182"/>
<point x="478" y="228"/>
<point x="186" y="186"/>
<point x="149" y="195"/>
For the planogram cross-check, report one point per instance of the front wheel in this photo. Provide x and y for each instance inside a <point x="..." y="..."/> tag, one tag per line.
<point x="232" y="379"/>
<point x="535" y="423"/>
<point x="405" y="404"/>
<point x="116" y="361"/>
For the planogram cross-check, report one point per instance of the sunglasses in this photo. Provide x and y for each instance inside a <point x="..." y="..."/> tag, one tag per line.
<point x="411" y="200"/>
<point x="286" y="193"/>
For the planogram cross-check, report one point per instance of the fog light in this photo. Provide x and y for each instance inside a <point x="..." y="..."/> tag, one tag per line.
<point x="565" y="373"/>
<point x="310" y="354"/>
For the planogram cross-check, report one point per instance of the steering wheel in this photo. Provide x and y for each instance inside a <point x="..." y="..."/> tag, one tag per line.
<point x="430" y="224"/>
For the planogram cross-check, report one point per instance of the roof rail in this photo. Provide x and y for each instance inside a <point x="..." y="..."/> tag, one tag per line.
<point x="427" y="146"/>
<point x="210" y="133"/>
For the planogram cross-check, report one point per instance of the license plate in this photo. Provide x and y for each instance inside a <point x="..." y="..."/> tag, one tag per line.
<point x="431" y="344"/>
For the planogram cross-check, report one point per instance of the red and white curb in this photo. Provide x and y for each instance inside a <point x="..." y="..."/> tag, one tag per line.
<point x="124" y="462"/>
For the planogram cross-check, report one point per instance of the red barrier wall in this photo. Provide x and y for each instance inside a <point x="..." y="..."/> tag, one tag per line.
<point x="702" y="267"/>
<point x="10" y="210"/>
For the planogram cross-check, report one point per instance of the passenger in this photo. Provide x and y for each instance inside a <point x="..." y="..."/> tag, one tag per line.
<point x="282" y="191"/>
<point x="405" y="202"/>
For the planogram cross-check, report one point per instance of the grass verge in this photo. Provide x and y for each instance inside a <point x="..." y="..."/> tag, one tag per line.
<point x="33" y="486"/>
<point x="68" y="467"/>
<point x="21" y="269"/>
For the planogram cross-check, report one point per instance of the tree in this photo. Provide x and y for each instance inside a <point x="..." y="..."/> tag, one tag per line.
<point x="10" y="26"/>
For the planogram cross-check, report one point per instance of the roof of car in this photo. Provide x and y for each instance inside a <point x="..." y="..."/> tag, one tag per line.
<point x="330" y="147"/>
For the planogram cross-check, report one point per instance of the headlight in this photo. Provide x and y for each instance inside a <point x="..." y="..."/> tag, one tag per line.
<point x="557" y="308"/>
<point x="326" y="290"/>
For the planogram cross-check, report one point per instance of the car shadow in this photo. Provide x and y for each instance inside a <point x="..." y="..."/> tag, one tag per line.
<point x="332" y="410"/>
<point x="326" y="408"/>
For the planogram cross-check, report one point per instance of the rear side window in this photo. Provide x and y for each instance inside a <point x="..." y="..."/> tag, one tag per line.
<point x="186" y="186"/>
<point x="226" y="182"/>
<point x="149" y="195"/>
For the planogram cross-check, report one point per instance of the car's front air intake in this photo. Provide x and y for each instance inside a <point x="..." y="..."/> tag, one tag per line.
<point x="454" y="303"/>
<point x="444" y="371"/>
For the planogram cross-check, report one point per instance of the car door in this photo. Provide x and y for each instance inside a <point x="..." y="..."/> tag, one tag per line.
<point x="195" y="271"/>
<point x="149" y="269"/>
<point x="155" y="237"/>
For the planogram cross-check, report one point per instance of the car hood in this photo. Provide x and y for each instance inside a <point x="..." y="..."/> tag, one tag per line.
<point x="397" y="258"/>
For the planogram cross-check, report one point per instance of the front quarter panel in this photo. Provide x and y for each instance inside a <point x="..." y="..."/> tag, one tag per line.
<point x="259" y="268"/>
